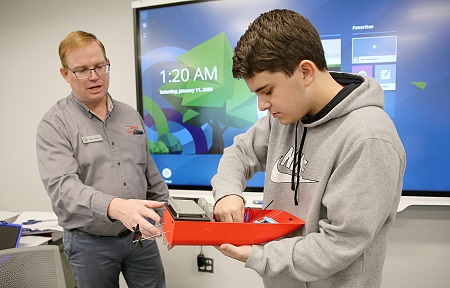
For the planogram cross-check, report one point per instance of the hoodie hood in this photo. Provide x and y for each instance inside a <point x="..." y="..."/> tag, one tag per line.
<point x="365" y="92"/>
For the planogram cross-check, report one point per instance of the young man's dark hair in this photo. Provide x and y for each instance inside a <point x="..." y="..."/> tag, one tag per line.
<point x="277" y="42"/>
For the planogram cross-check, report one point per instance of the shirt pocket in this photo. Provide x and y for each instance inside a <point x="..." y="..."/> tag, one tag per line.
<point x="139" y="148"/>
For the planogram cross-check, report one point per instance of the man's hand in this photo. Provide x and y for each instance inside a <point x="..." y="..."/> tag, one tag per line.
<point x="133" y="211"/>
<point x="229" y="209"/>
<point x="240" y="253"/>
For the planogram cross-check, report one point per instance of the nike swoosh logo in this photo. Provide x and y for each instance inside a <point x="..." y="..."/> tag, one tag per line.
<point x="279" y="177"/>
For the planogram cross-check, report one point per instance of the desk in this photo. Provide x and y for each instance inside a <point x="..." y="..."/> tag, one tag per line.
<point x="33" y="240"/>
<point x="52" y="238"/>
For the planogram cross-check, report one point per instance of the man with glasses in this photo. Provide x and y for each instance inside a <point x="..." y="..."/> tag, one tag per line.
<point x="94" y="162"/>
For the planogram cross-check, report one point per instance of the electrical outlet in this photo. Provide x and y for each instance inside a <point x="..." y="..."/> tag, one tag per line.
<point x="208" y="265"/>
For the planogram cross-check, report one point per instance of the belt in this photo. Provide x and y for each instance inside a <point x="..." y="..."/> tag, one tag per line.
<point x="119" y="235"/>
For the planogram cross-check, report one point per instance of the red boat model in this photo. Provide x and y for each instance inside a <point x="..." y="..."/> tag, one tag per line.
<point x="188" y="222"/>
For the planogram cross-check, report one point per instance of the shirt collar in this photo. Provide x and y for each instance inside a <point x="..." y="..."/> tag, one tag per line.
<point x="87" y="111"/>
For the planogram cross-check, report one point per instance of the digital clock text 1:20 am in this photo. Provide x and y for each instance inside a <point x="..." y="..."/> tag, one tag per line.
<point x="184" y="75"/>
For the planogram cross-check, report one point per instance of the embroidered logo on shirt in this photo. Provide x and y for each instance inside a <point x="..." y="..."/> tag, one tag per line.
<point x="131" y="128"/>
<point x="92" y="138"/>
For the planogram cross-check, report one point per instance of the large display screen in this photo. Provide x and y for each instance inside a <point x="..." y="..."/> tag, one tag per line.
<point x="192" y="106"/>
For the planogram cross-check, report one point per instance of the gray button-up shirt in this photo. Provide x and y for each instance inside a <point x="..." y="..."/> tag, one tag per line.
<point x="84" y="163"/>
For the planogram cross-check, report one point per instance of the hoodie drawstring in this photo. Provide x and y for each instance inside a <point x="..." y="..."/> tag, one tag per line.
<point x="297" y="160"/>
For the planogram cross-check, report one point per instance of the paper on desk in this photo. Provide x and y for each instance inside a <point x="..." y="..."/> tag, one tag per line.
<point x="50" y="224"/>
<point x="27" y="241"/>
<point x="8" y="216"/>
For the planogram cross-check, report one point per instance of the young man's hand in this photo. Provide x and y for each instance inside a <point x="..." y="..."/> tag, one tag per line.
<point x="240" y="253"/>
<point x="229" y="209"/>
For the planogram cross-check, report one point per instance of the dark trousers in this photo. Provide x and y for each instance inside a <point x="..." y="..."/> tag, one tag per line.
<point x="97" y="261"/>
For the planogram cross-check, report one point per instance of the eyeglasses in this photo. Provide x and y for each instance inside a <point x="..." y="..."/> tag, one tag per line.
<point x="86" y="73"/>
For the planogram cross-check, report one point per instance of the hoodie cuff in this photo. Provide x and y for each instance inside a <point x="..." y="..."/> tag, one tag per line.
<point x="255" y="258"/>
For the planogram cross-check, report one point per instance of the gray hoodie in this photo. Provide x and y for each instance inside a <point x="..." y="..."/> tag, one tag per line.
<point x="351" y="164"/>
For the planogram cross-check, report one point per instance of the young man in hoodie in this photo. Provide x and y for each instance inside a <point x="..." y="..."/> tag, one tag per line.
<point x="331" y="154"/>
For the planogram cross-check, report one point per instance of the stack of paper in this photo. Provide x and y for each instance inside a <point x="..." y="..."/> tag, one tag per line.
<point x="38" y="222"/>
<point x="8" y="216"/>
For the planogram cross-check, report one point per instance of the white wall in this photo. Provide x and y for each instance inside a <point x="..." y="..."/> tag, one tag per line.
<point x="30" y="31"/>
